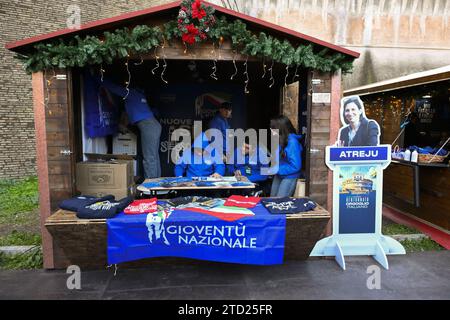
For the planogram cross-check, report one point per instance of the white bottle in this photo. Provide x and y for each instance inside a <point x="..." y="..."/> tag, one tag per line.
<point x="414" y="156"/>
<point x="407" y="155"/>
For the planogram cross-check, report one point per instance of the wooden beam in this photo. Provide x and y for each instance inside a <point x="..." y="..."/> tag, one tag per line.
<point x="42" y="165"/>
<point x="176" y="50"/>
<point x="336" y="95"/>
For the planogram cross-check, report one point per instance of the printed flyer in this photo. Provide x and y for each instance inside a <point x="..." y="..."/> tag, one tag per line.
<point x="357" y="199"/>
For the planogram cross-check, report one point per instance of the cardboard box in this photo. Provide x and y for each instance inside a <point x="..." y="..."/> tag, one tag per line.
<point x="117" y="193"/>
<point x="125" y="144"/>
<point x="104" y="175"/>
<point x="97" y="157"/>
<point x="300" y="188"/>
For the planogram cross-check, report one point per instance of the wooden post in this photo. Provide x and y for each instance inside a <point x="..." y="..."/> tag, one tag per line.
<point x="335" y="124"/>
<point x="42" y="165"/>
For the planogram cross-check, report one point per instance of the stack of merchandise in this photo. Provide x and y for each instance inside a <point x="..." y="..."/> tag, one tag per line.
<point x="88" y="207"/>
<point x="287" y="205"/>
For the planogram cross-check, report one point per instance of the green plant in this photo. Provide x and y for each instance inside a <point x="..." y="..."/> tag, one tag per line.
<point x="18" y="196"/>
<point x="424" y="244"/>
<point x="393" y="228"/>
<point x="32" y="259"/>
<point x="17" y="238"/>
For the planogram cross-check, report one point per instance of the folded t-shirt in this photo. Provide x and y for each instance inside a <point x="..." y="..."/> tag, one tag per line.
<point x="242" y="202"/>
<point x="82" y="201"/>
<point x="142" y="206"/>
<point x="103" y="209"/>
<point x="288" y="205"/>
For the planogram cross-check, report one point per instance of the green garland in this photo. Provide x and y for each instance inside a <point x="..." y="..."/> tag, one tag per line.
<point x="119" y="44"/>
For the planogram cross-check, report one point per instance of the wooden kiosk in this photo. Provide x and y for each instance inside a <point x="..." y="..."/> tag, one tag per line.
<point x="311" y="102"/>
<point x="420" y="190"/>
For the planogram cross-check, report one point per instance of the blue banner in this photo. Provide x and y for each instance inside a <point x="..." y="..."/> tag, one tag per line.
<point x="357" y="199"/>
<point x="369" y="154"/>
<point x="223" y="234"/>
<point x="101" y="109"/>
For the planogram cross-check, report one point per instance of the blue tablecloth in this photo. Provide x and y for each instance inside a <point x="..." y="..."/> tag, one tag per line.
<point x="249" y="239"/>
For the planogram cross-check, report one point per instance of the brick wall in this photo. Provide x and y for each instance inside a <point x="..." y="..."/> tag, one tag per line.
<point x="21" y="19"/>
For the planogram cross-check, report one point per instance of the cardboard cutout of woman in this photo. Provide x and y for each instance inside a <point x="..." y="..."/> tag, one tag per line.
<point x="357" y="130"/>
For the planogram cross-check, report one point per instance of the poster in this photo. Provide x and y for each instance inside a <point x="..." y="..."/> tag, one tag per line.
<point x="357" y="199"/>
<point x="179" y="105"/>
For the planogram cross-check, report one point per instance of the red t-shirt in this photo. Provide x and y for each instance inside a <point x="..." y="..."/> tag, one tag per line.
<point x="242" y="202"/>
<point x="142" y="206"/>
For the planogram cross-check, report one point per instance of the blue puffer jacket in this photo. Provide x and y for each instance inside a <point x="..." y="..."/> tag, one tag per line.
<point x="205" y="168"/>
<point x="290" y="162"/>
<point x="251" y="168"/>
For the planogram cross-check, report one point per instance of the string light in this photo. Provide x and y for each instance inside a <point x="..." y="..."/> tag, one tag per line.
<point x="157" y="61"/>
<point x="295" y="73"/>
<point x="49" y="83"/>
<point x="287" y="97"/>
<point x="246" y="74"/>
<point x="271" y="76"/>
<point x="127" y="83"/>
<point x="214" y="67"/>
<point x="311" y="90"/>
<point x="235" y="67"/>
<point x="102" y="71"/>
<point x="164" y="59"/>
<point x="264" y="68"/>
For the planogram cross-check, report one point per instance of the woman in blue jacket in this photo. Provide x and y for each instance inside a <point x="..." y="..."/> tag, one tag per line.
<point x="289" y="157"/>
<point x="197" y="163"/>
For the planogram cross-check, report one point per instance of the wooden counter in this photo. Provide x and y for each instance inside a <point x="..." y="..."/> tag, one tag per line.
<point x="83" y="241"/>
<point x="433" y="192"/>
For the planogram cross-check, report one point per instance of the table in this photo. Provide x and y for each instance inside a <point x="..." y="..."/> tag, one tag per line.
<point x="83" y="242"/>
<point x="190" y="185"/>
<point x="416" y="177"/>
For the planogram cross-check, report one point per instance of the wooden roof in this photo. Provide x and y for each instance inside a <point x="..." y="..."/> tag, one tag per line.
<point x="411" y="80"/>
<point x="130" y="18"/>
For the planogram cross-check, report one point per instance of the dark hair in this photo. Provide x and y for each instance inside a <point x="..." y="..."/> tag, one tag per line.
<point x="284" y="126"/>
<point x="358" y="104"/>
<point x="226" y="105"/>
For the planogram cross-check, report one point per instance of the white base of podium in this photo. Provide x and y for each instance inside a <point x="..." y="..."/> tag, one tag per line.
<point x="341" y="245"/>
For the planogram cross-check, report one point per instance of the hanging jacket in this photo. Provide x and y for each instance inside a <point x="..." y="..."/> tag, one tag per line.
<point x="251" y="166"/>
<point x="101" y="109"/>
<point x="290" y="158"/>
<point x="135" y="103"/>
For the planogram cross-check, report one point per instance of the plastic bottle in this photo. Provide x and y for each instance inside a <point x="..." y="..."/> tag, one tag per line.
<point x="414" y="156"/>
<point x="407" y="155"/>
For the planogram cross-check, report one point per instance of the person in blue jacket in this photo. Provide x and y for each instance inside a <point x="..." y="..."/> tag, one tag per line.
<point x="220" y="121"/>
<point x="247" y="162"/>
<point x="198" y="163"/>
<point x="140" y="114"/>
<point x="289" y="157"/>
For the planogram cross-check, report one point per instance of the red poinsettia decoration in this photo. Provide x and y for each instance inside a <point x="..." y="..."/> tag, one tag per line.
<point x="197" y="11"/>
<point x="195" y="21"/>
<point x="189" y="36"/>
